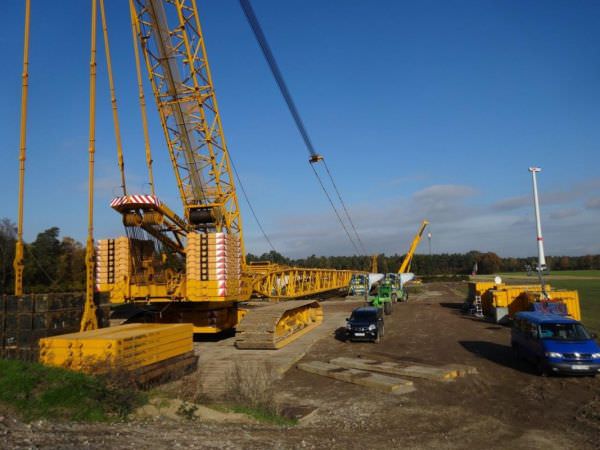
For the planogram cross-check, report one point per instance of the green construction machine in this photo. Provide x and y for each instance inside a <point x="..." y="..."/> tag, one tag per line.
<point x="390" y="291"/>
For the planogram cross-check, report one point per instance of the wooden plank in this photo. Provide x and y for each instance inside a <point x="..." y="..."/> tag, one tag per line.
<point x="446" y="373"/>
<point x="377" y="381"/>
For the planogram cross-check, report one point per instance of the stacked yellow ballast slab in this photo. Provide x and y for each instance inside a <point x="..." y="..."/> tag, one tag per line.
<point x="213" y="266"/>
<point x="126" y="347"/>
<point x="113" y="262"/>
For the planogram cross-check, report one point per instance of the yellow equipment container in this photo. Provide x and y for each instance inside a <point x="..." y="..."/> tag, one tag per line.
<point x="126" y="347"/>
<point x="478" y="288"/>
<point x="569" y="298"/>
<point x="501" y="301"/>
<point x="506" y="295"/>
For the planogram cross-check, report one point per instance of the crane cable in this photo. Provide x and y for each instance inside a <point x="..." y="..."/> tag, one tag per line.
<point x="314" y="156"/>
<point x="344" y="207"/>
<point x="141" y="97"/>
<point x="245" y="194"/>
<point x="334" y="208"/>
<point x="113" y="98"/>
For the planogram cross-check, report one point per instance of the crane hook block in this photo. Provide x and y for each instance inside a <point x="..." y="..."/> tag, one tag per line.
<point x="315" y="158"/>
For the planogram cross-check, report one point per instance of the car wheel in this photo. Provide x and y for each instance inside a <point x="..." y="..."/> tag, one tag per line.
<point x="382" y="330"/>
<point x="378" y="338"/>
<point x="387" y="308"/>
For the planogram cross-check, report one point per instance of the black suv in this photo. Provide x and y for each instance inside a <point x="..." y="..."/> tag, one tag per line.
<point x="365" y="324"/>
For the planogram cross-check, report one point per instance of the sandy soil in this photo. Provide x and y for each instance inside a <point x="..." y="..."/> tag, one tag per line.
<point x="505" y="406"/>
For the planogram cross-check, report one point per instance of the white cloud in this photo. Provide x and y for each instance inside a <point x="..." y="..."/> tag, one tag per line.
<point x="510" y="204"/>
<point x="564" y="213"/>
<point x="593" y="203"/>
<point x="457" y="223"/>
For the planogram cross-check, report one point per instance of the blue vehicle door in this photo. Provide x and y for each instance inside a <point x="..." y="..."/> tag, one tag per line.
<point x="534" y="350"/>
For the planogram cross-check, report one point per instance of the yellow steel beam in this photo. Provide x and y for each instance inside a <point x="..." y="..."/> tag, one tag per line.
<point x="89" y="320"/>
<point x="18" y="261"/>
<point x="142" y="98"/>
<point x="113" y="99"/>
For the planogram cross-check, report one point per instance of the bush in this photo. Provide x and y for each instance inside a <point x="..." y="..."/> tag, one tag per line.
<point x="40" y="392"/>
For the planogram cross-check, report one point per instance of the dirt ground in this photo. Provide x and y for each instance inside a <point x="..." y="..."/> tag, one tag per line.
<point x="504" y="406"/>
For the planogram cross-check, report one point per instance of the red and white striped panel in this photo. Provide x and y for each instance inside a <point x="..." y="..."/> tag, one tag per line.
<point x="140" y="199"/>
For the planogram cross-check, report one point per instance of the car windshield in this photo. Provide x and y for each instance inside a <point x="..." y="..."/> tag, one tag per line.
<point x="363" y="316"/>
<point x="564" y="331"/>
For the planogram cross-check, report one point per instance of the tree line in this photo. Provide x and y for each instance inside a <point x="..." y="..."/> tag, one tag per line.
<point x="55" y="264"/>
<point x="437" y="264"/>
<point x="51" y="264"/>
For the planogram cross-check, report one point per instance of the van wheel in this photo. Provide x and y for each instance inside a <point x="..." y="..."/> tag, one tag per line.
<point x="387" y="308"/>
<point x="541" y="368"/>
<point x="516" y="351"/>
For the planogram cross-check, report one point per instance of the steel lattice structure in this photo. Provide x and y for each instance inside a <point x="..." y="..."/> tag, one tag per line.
<point x="175" y="56"/>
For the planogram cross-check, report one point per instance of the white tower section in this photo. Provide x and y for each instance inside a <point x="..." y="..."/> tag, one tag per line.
<point x="538" y="223"/>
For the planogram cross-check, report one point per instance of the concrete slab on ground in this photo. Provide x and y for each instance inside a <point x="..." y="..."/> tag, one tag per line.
<point x="377" y="381"/>
<point x="445" y="373"/>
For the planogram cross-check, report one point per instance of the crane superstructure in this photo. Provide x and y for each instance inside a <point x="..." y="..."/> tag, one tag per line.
<point x="192" y="268"/>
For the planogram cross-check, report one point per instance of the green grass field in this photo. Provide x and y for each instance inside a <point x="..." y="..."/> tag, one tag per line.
<point x="586" y="282"/>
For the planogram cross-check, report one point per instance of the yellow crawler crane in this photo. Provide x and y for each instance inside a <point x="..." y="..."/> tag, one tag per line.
<point x="192" y="268"/>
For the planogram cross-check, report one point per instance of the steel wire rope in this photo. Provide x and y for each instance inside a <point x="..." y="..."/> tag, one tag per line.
<point x="37" y="262"/>
<point x="315" y="157"/>
<point x="245" y="194"/>
<point x="334" y="209"/>
<point x="344" y="207"/>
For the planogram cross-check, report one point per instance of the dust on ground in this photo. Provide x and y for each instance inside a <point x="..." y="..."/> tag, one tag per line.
<point x="505" y="406"/>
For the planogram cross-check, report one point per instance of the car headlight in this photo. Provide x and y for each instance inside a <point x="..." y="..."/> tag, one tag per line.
<point x="554" y="355"/>
<point x="595" y="355"/>
<point x="372" y="327"/>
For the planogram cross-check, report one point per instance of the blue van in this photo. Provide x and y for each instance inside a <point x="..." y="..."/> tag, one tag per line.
<point x="555" y="343"/>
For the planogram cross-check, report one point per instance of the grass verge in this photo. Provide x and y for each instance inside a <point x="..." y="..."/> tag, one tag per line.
<point x="36" y="392"/>
<point x="263" y="415"/>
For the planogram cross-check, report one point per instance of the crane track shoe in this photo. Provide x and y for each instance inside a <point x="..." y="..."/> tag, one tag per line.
<point x="275" y="326"/>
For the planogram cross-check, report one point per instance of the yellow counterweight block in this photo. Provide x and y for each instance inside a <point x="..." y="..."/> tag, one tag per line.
<point x="126" y="347"/>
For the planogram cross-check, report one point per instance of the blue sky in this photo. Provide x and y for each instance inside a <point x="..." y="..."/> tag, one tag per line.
<point x="431" y="109"/>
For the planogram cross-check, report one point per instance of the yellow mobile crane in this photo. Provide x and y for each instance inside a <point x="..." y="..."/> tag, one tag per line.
<point x="192" y="268"/>
<point x="405" y="266"/>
